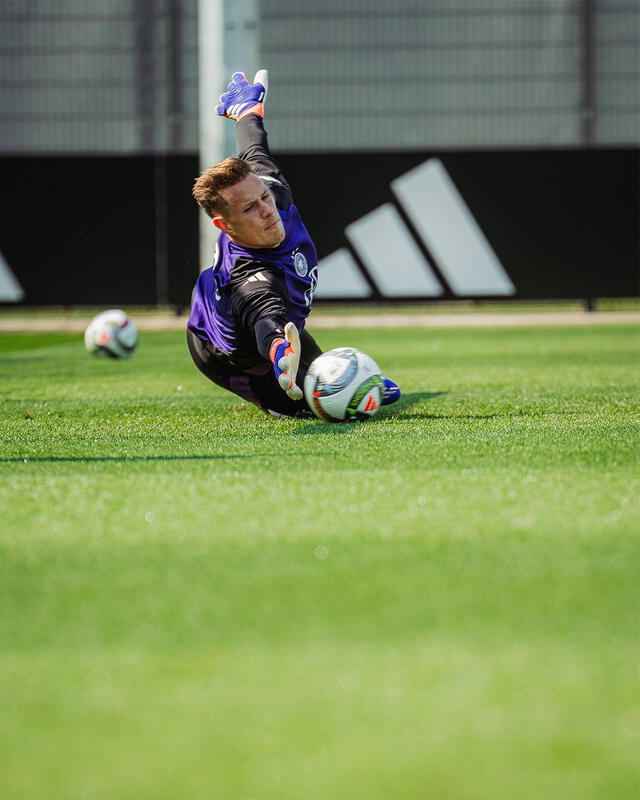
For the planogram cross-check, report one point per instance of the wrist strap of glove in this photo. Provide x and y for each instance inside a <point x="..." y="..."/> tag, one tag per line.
<point x="275" y="351"/>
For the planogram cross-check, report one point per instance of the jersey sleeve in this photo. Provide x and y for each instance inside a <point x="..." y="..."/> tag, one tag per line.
<point x="259" y="297"/>
<point x="253" y="146"/>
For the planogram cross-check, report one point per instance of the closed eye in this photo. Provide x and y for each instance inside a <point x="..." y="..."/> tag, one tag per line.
<point x="266" y="197"/>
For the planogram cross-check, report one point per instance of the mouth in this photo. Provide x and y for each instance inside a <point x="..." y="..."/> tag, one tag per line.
<point x="273" y="224"/>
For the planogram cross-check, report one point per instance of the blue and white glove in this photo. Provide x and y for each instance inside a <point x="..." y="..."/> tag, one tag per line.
<point x="242" y="97"/>
<point x="285" y="354"/>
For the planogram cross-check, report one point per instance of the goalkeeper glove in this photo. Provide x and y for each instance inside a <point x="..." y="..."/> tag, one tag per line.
<point x="285" y="354"/>
<point x="242" y="97"/>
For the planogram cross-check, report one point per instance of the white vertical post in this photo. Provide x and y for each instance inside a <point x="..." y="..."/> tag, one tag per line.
<point x="211" y="81"/>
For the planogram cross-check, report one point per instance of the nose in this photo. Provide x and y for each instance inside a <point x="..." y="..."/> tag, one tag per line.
<point x="265" y="209"/>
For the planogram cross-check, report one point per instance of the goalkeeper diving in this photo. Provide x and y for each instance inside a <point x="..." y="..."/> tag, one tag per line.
<point x="246" y="331"/>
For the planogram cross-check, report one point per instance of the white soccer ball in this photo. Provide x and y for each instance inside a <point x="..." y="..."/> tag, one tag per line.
<point x="342" y="385"/>
<point x="111" y="333"/>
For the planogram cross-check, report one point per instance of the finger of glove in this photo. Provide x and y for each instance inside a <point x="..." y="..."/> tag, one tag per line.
<point x="261" y="76"/>
<point x="239" y="77"/>
<point x="230" y="95"/>
<point x="285" y="381"/>
<point x="294" y="392"/>
<point x="222" y="110"/>
<point x="283" y="363"/>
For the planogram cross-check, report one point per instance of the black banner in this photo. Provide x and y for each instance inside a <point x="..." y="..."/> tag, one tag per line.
<point x="545" y="224"/>
<point x="106" y="231"/>
<point x="562" y="223"/>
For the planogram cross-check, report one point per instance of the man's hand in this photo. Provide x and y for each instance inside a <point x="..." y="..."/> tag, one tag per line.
<point x="242" y="97"/>
<point x="285" y="354"/>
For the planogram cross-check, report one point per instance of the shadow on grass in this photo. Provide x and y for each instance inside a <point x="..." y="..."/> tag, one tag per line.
<point x="109" y="459"/>
<point x="408" y="401"/>
<point x="408" y="408"/>
<point x="403" y="409"/>
<point x="408" y="414"/>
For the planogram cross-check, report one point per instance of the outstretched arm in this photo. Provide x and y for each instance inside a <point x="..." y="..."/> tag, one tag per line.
<point x="252" y="144"/>
<point x="244" y="102"/>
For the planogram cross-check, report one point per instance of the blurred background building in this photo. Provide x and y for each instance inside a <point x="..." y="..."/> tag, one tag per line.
<point x="99" y="108"/>
<point x="121" y="76"/>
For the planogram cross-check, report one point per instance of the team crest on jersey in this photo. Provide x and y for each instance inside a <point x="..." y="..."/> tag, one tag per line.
<point x="300" y="263"/>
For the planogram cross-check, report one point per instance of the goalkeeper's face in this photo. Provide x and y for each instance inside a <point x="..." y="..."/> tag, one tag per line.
<point x="251" y="218"/>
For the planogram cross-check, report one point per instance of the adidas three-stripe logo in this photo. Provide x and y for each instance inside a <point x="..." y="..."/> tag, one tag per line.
<point x="257" y="277"/>
<point x="395" y="262"/>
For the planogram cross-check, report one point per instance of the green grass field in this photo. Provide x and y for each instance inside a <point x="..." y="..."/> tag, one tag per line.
<point x="198" y="601"/>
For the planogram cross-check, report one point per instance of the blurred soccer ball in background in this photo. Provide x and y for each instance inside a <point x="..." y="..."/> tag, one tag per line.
<point x="342" y="385"/>
<point x="111" y="333"/>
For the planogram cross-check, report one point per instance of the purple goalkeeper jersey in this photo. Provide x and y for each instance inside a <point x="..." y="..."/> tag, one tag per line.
<point x="289" y="270"/>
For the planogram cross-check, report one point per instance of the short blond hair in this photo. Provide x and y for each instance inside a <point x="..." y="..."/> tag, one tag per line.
<point x="207" y="189"/>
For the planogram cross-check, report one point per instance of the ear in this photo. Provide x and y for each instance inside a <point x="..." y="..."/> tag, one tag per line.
<point x="220" y="223"/>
